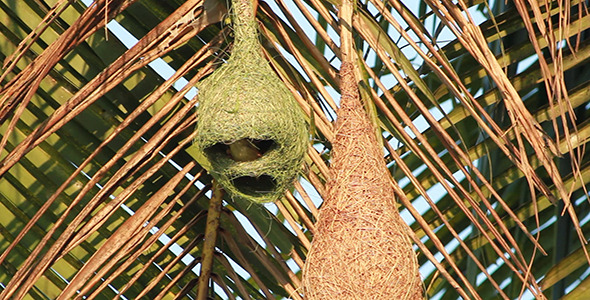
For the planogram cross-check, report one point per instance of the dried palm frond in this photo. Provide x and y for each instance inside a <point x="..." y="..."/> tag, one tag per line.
<point x="485" y="150"/>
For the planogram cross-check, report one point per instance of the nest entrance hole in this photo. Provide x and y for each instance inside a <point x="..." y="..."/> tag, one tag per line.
<point x="246" y="149"/>
<point x="254" y="186"/>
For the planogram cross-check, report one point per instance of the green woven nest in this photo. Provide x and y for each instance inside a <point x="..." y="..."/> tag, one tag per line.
<point x="244" y="99"/>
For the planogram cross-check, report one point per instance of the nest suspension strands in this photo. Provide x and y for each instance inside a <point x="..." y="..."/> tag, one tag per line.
<point x="251" y="131"/>
<point x="360" y="248"/>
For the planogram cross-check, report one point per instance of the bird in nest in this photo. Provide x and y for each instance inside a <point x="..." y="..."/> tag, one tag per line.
<point x="244" y="150"/>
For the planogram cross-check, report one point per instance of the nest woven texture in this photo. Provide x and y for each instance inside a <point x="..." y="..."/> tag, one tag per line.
<point x="360" y="248"/>
<point x="245" y="99"/>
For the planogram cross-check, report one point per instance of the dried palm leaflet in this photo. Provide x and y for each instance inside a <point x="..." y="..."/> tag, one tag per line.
<point x="252" y="135"/>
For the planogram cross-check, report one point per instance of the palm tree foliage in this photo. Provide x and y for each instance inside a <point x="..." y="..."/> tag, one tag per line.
<point x="482" y="108"/>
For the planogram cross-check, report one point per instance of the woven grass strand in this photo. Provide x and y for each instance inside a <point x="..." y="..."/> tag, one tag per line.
<point x="244" y="100"/>
<point x="360" y="249"/>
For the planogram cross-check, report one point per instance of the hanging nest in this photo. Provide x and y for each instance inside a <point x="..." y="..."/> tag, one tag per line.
<point x="360" y="248"/>
<point x="250" y="130"/>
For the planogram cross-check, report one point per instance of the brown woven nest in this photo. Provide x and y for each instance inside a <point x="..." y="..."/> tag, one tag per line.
<point x="243" y="105"/>
<point x="360" y="248"/>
